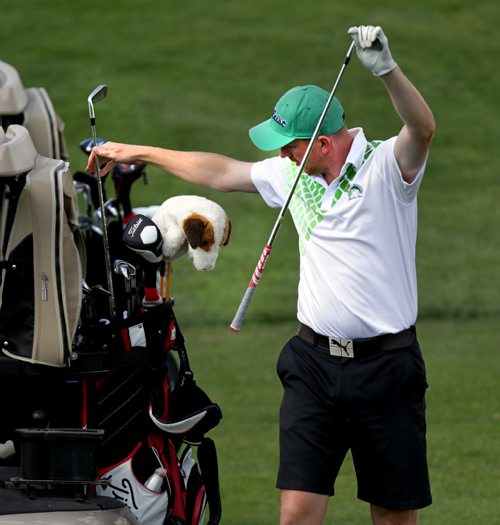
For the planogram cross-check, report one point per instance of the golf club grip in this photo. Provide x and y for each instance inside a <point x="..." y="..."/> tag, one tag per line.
<point x="252" y="285"/>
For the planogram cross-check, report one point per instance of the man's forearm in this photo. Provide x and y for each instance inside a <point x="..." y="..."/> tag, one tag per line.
<point x="205" y="169"/>
<point x="412" y="145"/>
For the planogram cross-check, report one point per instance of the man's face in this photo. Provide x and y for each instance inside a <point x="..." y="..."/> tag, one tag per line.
<point x="295" y="152"/>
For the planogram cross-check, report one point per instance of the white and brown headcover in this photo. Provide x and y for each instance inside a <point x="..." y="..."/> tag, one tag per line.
<point x="195" y="226"/>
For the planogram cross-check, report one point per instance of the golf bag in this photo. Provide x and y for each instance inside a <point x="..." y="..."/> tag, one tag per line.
<point x="141" y="391"/>
<point x="133" y="381"/>
<point x="123" y="378"/>
<point x="154" y="415"/>
<point x="33" y="109"/>
<point x="41" y="255"/>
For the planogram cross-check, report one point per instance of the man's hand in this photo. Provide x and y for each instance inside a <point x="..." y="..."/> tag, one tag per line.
<point x="372" y="48"/>
<point x="110" y="154"/>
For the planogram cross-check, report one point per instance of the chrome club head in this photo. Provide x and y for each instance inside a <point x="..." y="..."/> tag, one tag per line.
<point x="96" y="96"/>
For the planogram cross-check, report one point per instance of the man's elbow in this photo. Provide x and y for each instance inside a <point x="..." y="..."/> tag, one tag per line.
<point x="428" y="129"/>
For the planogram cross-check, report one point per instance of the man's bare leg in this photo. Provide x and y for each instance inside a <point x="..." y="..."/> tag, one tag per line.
<point x="302" y="508"/>
<point x="381" y="516"/>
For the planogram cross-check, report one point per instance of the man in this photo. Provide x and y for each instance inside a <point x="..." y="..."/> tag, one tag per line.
<point x="353" y="377"/>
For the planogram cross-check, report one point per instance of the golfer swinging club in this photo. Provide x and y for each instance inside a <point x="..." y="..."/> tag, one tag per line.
<point x="353" y="376"/>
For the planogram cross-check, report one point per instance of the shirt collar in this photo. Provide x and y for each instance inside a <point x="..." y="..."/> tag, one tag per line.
<point x="357" y="152"/>
<point x="355" y="156"/>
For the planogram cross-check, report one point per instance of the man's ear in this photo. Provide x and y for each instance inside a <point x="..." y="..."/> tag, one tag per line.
<point x="324" y="142"/>
<point x="199" y="232"/>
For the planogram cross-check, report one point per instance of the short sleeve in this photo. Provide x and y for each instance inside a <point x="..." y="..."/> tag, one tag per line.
<point x="269" y="177"/>
<point x="387" y="166"/>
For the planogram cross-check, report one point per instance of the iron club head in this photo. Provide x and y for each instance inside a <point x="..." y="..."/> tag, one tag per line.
<point x="85" y="287"/>
<point x="124" y="268"/>
<point x="128" y="272"/>
<point x="96" y="96"/>
<point x="121" y="268"/>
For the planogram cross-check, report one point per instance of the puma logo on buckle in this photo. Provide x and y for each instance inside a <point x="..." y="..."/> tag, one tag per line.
<point x="341" y="347"/>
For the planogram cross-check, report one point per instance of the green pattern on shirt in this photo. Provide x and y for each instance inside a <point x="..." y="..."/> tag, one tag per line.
<point x="306" y="204"/>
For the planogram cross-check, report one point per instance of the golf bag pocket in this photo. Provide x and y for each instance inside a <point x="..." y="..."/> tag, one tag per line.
<point x="140" y="339"/>
<point x="182" y="409"/>
<point x="127" y="483"/>
<point x="41" y="261"/>
<point x="189" y="412"/>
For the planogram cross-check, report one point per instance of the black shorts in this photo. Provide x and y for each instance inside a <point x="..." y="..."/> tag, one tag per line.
<point x="373" y="406"/>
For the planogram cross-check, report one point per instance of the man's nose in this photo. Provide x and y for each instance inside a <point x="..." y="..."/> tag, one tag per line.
<point x="284" y="153"/>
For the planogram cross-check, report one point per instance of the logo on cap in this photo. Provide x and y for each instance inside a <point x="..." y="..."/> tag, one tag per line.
<point x="281" y="121"/>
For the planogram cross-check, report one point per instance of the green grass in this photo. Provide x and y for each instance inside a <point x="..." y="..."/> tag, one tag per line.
<point x="197" y="75"/>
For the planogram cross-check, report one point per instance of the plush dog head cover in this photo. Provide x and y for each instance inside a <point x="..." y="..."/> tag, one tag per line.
<point x="143" y="236"/>
<point x="195" y="226"/>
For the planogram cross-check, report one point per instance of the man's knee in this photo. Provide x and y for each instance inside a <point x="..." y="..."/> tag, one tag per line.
<point x="302" y="508"/>
<point x="381" y="516"/>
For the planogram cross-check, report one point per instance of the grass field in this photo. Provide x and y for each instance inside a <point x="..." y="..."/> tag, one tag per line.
<point x="196" y="75"/>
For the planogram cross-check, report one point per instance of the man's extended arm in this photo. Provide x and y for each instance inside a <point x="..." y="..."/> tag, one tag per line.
<point x="204" y="169"/>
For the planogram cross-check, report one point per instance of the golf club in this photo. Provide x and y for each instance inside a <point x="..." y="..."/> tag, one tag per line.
<point x="84" y="189"/>
<point x="97" y="95"/>
<point x="88" y="311"/>
<point x="128" y="272"/>
<point x="259" y="269"/>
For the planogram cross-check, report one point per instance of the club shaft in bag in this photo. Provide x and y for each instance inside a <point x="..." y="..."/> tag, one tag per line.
<point x="96" y="96"/>
<point x="259" y="269"/>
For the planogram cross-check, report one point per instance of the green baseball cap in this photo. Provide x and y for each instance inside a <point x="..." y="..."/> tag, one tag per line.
<point x="296" y="116"/>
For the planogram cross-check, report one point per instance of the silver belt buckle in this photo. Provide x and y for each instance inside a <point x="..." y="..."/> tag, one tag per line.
<point x="341" y="347"/>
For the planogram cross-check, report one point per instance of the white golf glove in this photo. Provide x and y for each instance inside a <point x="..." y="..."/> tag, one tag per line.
<point x="372" y="48"/>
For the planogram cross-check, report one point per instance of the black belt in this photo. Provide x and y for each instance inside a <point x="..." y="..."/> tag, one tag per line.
<point x="358" y="348"/>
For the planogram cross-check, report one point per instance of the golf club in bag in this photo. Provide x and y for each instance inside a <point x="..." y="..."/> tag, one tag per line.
<point x="123" y="175"/>
<point x="118" y="212"/>
<point x="97" y="95"/>
<point x="259" y="269"/>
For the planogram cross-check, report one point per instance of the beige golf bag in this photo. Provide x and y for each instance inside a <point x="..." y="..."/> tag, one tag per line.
<point x="41" y="255"/>
<point x="33" y="109"/>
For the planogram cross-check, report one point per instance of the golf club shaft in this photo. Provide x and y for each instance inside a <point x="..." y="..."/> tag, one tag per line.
<point x="107" y="259"/>
<point x="259" y="269"/>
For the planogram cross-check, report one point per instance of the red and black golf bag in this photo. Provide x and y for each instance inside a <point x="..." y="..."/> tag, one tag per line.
<point x="154" y="416"/>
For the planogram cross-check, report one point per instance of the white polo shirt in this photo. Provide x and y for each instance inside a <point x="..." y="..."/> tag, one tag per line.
<point x="357" y="240"/>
